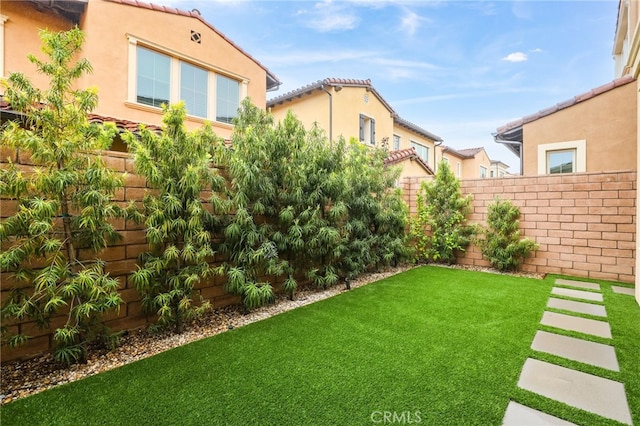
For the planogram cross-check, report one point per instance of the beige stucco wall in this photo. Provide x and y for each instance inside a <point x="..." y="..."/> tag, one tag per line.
<point x="309" y="109"/>
<point x="407" y="136"/>
<point x="107" y="28"/>
<point x="607" y="122"/>
<point x="21" y="30"/>
<point x="471" y="166"/>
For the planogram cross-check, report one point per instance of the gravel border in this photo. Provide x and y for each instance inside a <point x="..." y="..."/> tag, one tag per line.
<point x="24" y="378"/>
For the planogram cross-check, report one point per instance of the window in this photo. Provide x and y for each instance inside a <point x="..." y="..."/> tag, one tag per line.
<point x="227" y="99"/>
<point x="445" y="159"/>
<point x="367" y="130"/>
<point x="154" y="77"/>
<point x="491" y="173"/>
<point x="562" y="157"/>
<point x="423" y="151"/>
<point x="561" y="161"/>
<point x="396" y="142"/>
<point x="194" y="89"/>
<point x="458" y="169"/>
<point x="483" y="172"/>
<point x="160" y="76"/>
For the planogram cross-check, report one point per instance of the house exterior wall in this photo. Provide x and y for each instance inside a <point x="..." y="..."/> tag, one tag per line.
<point x="111" y="51"/>
<point x="471" y="166"/>
<point x="23" y="22"/>
<point x="407" y="136"/>
<point x="607" y="122"/>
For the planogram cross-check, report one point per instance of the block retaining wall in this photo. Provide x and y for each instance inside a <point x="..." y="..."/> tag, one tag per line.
<point x="585" y="224"/>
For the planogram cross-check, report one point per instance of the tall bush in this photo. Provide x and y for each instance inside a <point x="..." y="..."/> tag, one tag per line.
<point x="177" y="165"/>
<point x="53" y="241"/>
<point x="502" y="245"/>
<point x="439" y="229"/>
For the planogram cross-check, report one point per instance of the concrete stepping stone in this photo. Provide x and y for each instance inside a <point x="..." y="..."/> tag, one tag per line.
<point x="577" y="294"/>
<point x="623" y="290"/>
<point x="521" y="415"/>
<point x="579" y="284"/>
<point x="580" y="307"/>
<point x="580" y="350"/>
<point x="581" y="325"/>
<point x="595" y="394"/>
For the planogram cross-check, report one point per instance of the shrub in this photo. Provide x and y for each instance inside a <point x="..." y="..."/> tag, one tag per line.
<point x="177" y="166"/>
<point x="439" y="229"/>
<point x="502" y="245"/>
<point x="64" y="206"/>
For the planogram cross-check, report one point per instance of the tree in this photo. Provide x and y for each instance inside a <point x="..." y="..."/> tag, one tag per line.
<point x="178" y="167"/>
<point x="502" y="244"/>
<point x="439" y="229"/>
<point x="64" y="205"/>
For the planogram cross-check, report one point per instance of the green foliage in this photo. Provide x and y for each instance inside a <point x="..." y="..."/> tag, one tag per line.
<point x="304" y="208"/>
<point x="502" y="245"/>
<point x="439" y="229"/>
<point x="179" y="227"/>
<point x="64" y="205"/>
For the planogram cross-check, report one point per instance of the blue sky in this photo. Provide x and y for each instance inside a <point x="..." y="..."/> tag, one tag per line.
<point x="459" y="69"/>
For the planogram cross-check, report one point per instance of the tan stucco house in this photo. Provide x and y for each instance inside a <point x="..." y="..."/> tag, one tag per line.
<point x="176" y="55"/>
<point x="354" y="108"/>
<point x="468" y="163"/>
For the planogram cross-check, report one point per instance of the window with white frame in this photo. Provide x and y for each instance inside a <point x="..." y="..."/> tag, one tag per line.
<point x="421" y="150"/>
<point x="161" y="77"/>
<point x="483" y="172"/>
<point x="194" y="89"/>
<point x="396" y="142"/>
<point x="227" y="99"/>
<point x="562" y="157"/>
<point x="561" y="161"/>
<point x="367" y="130"/>
<point x="458" y="169"/>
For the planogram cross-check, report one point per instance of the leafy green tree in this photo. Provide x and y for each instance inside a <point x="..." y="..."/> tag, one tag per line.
<point x="439" y="229"/>
<point x="502" y="244"/>
<point x="178" y="167"/>
<point x="64" y="205"/>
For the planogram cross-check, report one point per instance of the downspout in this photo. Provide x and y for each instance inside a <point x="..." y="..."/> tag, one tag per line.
<point x="506" y="142"/>
<point x="322" y="86"/>
<point x="435" y="152"/>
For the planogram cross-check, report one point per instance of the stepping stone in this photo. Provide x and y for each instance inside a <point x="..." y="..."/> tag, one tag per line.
<point x="623" y="290"/>
<point x="581" y="325"/>
<point x="579" y="284"/>
<point x="577" y="294"/>
<point x="580" y="350"/>
<point x="521" y="415"/>
<point x="574" y="306"/>
<point x="591" y="393"/>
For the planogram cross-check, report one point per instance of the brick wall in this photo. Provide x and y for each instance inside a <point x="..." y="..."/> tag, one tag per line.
<point x="584" y="223"/>
<point x="121" y="260"/>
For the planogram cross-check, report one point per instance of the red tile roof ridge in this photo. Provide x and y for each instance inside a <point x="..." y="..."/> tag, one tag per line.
<point x="567" y="103"/>
<point x="194" y="14"/>
<point x="397" y="156"/>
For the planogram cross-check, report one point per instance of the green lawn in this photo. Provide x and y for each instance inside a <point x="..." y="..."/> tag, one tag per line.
<point x="437" y="345"/>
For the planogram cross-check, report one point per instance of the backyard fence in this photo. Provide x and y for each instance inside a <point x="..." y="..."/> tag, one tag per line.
<point x="584" y="224"/>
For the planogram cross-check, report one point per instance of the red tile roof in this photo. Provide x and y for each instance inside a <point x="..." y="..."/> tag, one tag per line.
<point x="566" y="104"/>
<point x="464" y="153"/>
<point x="401" y="155"/>
<point x="196" y="15"/>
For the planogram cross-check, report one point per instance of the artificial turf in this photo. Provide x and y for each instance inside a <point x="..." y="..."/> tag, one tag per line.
<point x="432" y="346"/>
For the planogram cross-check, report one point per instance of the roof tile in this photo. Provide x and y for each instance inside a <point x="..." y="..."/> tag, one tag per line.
<point x="400" y="155"/>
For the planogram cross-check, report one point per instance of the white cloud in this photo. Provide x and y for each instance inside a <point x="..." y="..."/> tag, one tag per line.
<point x="410" y="22"/>
<point x="515" y="57"/>
<point x="536" y="50"/>
<point x="327" y="16"/>
<point x="297" y="58"/>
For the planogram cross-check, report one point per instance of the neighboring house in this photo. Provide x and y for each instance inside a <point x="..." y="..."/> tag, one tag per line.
<point x="592" y="132"/>
<point x="469" y="163"/>
<point x="143" y="55"/>
<point x="354" y="108"/>
<point x="498" y="169"/>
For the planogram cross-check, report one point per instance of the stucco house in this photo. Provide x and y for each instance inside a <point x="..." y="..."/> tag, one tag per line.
<point x="138" y="67"/>
<point x="586" y="133"/>
<point x="468" y="163"/>
<point x="354" y="108"/>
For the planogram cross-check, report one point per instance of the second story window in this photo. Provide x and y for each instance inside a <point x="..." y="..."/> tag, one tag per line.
<point x="194" y="89"/>
<point x="396" y="142"/>
<point x="154" y="77"/>
<point x="483" y="172"/>
<point x="421" y="150"/>
<point x="367" y="130"/>
<point x="227" y="99"/>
